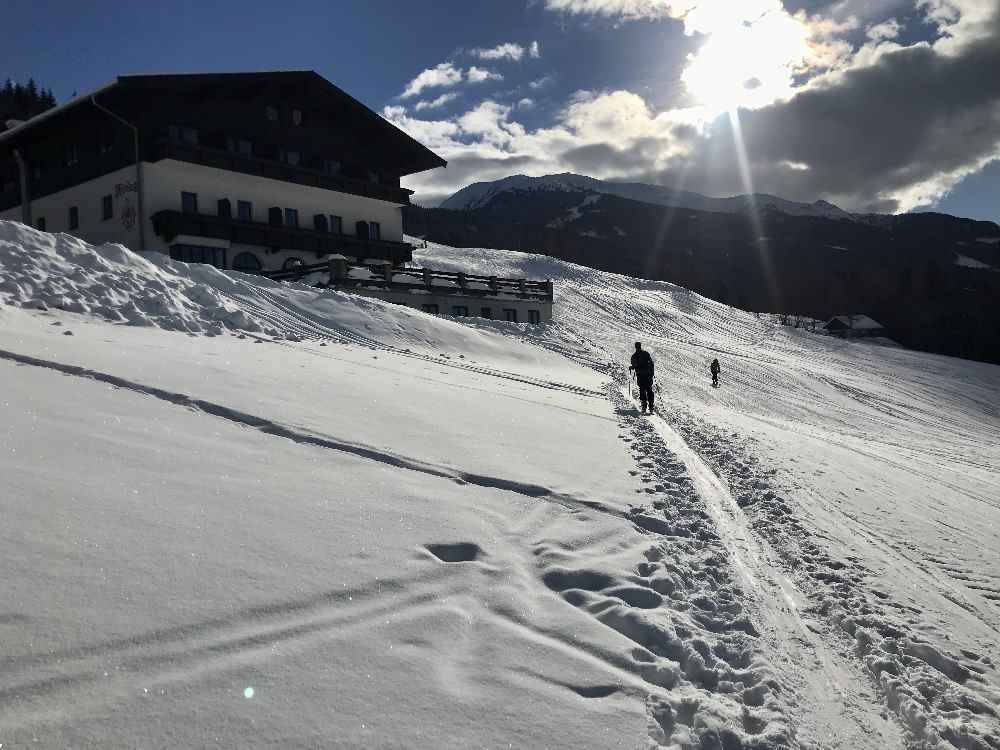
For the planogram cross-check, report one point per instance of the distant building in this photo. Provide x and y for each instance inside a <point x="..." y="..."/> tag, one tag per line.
<point x="246" y="171"/>
<point x="853" y="326"/>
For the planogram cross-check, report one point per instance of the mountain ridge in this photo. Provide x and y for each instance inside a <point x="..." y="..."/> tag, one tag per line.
<point x="931" y="279"/>
<point x="480" y="194"/>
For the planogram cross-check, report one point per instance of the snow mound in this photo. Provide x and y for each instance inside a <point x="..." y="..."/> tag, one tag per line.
<point x="40" y="271"/>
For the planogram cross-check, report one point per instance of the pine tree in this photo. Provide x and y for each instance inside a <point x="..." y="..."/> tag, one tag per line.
<point x="20" y="102"/>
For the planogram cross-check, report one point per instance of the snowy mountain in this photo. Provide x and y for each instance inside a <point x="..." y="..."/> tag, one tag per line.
<point x="901" y="270"/>
<point x="263" y="514"/>
<point x="479" y="194"/>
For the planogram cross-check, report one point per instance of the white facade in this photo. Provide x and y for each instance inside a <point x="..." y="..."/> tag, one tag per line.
<point x="461" y="306"/>
<point x="163" y="183"/>
<point x="87" y="198"/>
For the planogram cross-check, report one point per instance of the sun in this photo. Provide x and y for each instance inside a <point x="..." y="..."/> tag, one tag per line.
<point x="747" y="63"/>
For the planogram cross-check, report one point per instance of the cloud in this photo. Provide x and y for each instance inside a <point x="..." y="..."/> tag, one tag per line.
<point x="438" y="102"/>
<point x="526" y="103"/>
<point x="478" y="75"/>
<point x="445" y="74"/>
<point x="540" y="83"/>
<point x="505" y="51"/>
<point x="626" y="9"/>
<point x="886" y="30"/>
<point x="534" y="51"/>
<point x="886" y="127"/>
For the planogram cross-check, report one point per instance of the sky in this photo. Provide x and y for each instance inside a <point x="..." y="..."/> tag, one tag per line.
<point x="875" y="105"/>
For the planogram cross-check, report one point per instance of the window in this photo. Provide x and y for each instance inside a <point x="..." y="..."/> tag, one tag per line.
<point x="183" y="134"/>
<point x="74" y="217"/>
<point x="244" y="210"/>
<point x="296" y="116"/>
<point x="336" y="224"/>
<point x="107" y="208"/>
<point x="72" y="155"/>
<point x="213" y="256"/>
<point x="374" y="230"/>
<point x="224" y="208"/>
<point x="534" y="316"/>
<point x="40" y="223"/>
<point x="291" y="217"/>
<point x="510" y="314"/>
<point x="486" y="312"/>
<point x="331" y="166"/>
<point x="292" y="157"/>
<point x="189" y="203"/>
<point x="247" y="263"/>
<point x="432" y="309"/>
<point x="292" y="263"/>
<point x="320" y="224"/>
<point x="271" y="113"/>
<point x="244" y="148"/>
<point x="460" y="311"/>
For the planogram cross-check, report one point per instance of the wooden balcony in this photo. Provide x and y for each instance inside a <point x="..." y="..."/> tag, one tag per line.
<point x="275" y="170"/>
<point x="169" y="224"/>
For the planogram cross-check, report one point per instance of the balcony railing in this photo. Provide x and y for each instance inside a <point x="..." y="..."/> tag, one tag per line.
<point x="169" y="224"/>
<point x="275" y="170"/>
<point x="343" y="275"/>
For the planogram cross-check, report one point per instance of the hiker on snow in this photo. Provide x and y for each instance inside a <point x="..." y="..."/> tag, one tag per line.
<point x="715" y="372"/>
<point x="642" y="365"/>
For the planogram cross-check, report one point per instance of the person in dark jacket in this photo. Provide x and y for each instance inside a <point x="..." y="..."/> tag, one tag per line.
<point x="715" y="372"/>
<point x="642" y="365"/>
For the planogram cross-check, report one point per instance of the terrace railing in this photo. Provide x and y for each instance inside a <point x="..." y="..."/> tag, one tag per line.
<point x="346" y="276"/>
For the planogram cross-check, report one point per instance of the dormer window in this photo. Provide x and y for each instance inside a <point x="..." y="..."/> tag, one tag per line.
<point x="271" y="113"/>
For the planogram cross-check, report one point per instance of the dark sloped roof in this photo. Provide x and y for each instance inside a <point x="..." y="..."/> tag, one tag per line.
<point x="415" y="157"/>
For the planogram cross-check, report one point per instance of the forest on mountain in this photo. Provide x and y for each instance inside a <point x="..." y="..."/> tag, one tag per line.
<point x="22" y="101"/>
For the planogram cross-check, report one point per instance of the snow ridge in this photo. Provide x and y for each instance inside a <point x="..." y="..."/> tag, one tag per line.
<point x="41" y="271"/>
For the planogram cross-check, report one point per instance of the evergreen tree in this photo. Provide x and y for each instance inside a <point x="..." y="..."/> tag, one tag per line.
<point x="21" y="102"/>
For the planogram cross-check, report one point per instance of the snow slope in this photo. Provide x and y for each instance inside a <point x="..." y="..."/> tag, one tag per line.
<point x="479" y="194"/>
<point x="330" y="521"/>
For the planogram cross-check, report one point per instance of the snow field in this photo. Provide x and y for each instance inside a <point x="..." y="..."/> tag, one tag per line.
<point x="870" y="472"/>
<point x="408" y="531"/>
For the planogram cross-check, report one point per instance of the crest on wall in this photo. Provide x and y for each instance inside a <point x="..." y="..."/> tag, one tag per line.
<point x="128" y="214"/>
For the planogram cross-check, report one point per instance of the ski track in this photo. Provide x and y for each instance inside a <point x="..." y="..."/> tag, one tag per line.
<point x="938" y="697"/>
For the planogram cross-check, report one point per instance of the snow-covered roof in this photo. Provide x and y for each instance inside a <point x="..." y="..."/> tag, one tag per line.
<point x="857" y="322"/>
